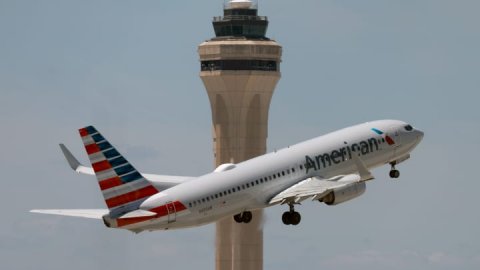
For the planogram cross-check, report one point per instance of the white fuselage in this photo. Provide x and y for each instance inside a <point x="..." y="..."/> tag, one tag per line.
<point x="249" y="185"/>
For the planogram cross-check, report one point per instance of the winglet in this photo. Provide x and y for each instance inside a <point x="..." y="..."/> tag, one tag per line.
<point x="363" y="171"/>
<point x="74" y="163"/>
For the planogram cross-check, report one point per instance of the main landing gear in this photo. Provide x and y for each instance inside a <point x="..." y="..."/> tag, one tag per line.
<point x="291" y="217"/>
<point x="394" y="173"/>
<point x="244" y="217"/>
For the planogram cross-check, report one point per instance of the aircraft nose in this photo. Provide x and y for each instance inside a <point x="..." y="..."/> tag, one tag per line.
<point x="419" y="134"/>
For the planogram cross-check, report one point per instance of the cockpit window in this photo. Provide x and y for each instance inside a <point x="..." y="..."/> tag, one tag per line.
<point x="408" y="128"/>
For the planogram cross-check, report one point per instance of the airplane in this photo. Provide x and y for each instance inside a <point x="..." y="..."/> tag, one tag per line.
<point x="332" y="169"/>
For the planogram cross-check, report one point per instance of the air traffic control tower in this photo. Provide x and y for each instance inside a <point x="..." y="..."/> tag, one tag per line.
<point x="240" y="68"/>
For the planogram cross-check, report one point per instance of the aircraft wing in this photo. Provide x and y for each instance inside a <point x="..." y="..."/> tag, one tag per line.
<point x="318" y="187"/>
<point x="84" y="213"/>
<point x="161" y="181"/>
<point x="314" y="188"/>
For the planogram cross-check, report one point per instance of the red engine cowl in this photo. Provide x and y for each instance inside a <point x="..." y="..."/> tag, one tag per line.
<point x="345" y="193"/>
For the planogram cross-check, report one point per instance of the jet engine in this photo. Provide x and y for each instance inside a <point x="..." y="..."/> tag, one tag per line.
<point x="345" y="193"/>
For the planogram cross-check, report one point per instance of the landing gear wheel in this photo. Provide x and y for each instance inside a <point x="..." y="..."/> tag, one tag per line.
<point x="291" y="217"/>
<point x="247" y="217"/>
<point x="286" y="218"/>
<point x="295" y="218"/>
<point x="238" y="218"/>
<point x="394" y="173"/>
<point x="244" y="217"/>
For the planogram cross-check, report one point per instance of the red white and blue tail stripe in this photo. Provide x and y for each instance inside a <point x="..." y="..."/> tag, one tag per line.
<point x="122" y="186"/>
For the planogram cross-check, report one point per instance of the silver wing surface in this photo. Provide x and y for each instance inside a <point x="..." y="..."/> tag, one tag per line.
<point x="317" y="188"/>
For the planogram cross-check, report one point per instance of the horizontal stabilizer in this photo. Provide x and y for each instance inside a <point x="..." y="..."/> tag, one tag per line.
<point x="84" y="213"/>
<point x="138" y="213"/>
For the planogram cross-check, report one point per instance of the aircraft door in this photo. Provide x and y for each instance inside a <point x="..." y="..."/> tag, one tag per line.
<point x="172" y="212"/>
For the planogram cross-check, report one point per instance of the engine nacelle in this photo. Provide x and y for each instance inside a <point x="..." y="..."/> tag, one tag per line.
<point x="345" y="193"/>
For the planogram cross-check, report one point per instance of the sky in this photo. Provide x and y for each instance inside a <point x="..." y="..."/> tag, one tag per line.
<point x="131" y="69"/>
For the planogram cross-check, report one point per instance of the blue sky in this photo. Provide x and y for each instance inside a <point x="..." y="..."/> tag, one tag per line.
<point x="131" y="69"/>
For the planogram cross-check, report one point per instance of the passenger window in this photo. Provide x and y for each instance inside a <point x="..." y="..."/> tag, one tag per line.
<point x="256" y="182"/>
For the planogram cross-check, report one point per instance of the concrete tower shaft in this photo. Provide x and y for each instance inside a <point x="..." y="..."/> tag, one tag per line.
<point x="240" y="68"/>
<point x="239" y="99"/>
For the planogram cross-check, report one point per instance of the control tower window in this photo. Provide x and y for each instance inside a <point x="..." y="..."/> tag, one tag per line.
<point x="263" y="65"/>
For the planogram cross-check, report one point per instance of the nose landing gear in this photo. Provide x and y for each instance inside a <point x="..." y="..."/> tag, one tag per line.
<point x="394" y="173"/>
<point x="291" y="217"/>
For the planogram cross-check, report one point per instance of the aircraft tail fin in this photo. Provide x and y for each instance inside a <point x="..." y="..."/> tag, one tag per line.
<point x="122" y="186"/>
